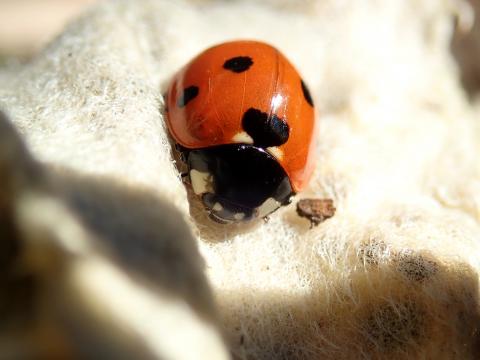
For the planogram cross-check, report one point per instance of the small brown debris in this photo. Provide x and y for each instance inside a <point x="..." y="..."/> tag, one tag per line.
<point x="315" y="210"/>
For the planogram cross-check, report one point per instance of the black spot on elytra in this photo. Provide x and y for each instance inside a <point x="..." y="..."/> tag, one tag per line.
<point x="238" y="64"/>
<point x="189" y="94"/>
<point x="264" y="129"/>
<point x="306" y="93"/>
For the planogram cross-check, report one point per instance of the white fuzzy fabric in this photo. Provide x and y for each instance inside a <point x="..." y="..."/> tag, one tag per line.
<point x="394" y="274"/>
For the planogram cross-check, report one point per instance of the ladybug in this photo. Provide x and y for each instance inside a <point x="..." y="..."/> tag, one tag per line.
<point x="243" y="119"/>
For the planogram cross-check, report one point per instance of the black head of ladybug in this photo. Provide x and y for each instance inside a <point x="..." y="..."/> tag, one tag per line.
<point x="238" y="182"/>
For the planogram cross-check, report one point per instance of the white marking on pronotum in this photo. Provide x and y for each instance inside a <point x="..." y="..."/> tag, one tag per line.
<point x="217" y="207"/>
<point x="267" y="207"/>
<point x="201" y="181"/>
<point x="276" y="152"/>
<point x="243" y="138"/>
<point x="239" y="216"/>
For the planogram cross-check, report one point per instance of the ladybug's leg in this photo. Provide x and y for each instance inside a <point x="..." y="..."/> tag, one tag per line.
<point x="182" y="152"/>
<point x="217" y="219"/>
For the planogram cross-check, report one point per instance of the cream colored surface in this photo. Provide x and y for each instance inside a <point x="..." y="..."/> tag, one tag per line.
<point x="27" y="25"/>
<point x="394" y="274"/>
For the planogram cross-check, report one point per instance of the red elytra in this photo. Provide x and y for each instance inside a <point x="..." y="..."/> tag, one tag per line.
<point x="209" y="97"/>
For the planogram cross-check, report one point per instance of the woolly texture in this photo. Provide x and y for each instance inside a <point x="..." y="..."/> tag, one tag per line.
<point x="394" y="274"/>
<point x="95" y="269"/>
